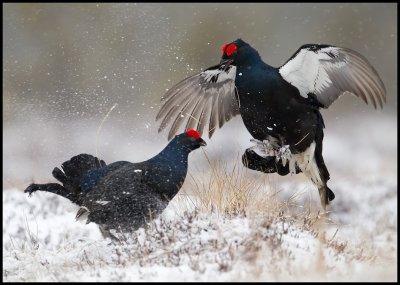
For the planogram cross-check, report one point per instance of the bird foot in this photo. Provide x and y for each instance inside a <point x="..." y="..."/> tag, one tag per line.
<point x="266" y="148"/>
<point x="284" y="154"/>
<point x="271" y="148"/>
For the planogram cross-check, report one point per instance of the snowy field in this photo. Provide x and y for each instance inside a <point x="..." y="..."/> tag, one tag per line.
<point x="226" y="224"/>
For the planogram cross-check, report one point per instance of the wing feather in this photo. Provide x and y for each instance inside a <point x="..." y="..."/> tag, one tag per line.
<point x="177" y="88"/>
<point x="221" y="115"/>
<point x="212" y="125"/>
<point x="367" y="68"/>
<point x="172" y="98"/>
<point x="194" y="117"/>
<point x="173" y="108"/>
<point x="179" y="119"/>
<point x="207" y="97"/>
<point x="329" y="71"/>
<point x="204" y="116"/>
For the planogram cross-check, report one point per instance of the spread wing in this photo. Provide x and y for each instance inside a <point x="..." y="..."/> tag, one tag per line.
<point x="329" y="71"/>
<point x="209" y="96"/>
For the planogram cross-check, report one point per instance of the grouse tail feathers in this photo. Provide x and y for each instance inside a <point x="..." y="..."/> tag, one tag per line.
<point x="70" y="176"/>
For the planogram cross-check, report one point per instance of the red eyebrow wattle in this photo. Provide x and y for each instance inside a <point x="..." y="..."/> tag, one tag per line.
<point x="193" y="133"/>
<point x="223" y="48"/>
<point x="230" y="49"/>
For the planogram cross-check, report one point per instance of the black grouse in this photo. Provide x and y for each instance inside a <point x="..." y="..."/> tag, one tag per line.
<point x="123" y="195"/>
<point x="280" y="106"/>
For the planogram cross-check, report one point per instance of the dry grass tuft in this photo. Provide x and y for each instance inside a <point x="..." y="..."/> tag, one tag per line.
<point x="231" y="189"/>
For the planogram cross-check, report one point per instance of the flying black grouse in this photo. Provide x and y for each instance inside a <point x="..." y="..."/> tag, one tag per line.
<point x="123" y="195"/>
<point x="279" y="106"/>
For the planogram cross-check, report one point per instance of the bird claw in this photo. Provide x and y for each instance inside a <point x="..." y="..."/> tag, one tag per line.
<point x="284" y="154"/>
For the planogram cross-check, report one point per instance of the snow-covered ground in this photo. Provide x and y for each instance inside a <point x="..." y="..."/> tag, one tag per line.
<point x="269" y="230"/>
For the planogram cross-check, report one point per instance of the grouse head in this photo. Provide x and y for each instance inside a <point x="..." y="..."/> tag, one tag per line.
<point x="237" y="53"/>
<point x="190" y="139"/>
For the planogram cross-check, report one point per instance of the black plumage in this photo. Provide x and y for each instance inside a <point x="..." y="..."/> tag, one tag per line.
<point x="123" y="195"/>
<point x="280" y="107"/>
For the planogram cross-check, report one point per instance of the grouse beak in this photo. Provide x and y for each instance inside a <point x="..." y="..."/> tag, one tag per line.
<point x="226" y="62"/>
<point x="201" y="142"/>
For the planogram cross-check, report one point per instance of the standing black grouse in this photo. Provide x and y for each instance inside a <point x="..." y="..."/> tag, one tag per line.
<point x="279" y="106"/>
<point x="123" y="195"/>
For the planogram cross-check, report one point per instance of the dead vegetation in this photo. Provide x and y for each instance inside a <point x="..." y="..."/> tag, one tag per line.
<point x="227" y="225"/>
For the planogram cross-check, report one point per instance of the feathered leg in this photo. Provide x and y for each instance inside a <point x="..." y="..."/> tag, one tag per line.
<point x="326" y="195"/>
<point x="268" y="164"/>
